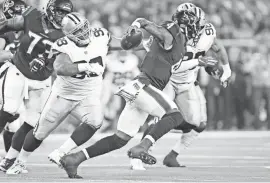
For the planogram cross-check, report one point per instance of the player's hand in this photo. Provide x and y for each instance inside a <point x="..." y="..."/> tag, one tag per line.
<point x="132" y="29"/>
<point x="224" y="79"/>
<point x="37" y="64"/>
<point x="96" y="69"/>
<point x="207" y="61"/>
<point x="147" y="44"/>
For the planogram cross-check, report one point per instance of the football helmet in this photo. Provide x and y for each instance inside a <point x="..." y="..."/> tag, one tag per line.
<point x="13" y="8"/>
<point x="77" y="28"/>
<point x="185" y="6"/>
<point x="188" y="22"/>
<point x="200" y="15"/>
<point x="56" y="10"/>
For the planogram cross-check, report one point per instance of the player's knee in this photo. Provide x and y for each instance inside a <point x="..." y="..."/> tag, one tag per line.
<point x="175" y="116"/>
<point x="201" y="127"/>
<point x="12" y="106"/>
<point x="7" y="117"/>
<point x="193" y="119"/>
<point x="40" y="134"/>
<point x="95" y="122"/>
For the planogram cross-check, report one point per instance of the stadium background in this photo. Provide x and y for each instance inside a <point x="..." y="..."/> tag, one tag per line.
<point x="242" y="25"/>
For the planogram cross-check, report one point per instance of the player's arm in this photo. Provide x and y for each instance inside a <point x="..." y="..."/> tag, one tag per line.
<point x="222" y="55"/>
<point x="13" y="24"/>
<point x="63" y="66"/>
<point x="2" y="43"/>
<point x="5" y="55"/>
<point x="160" y="32"/>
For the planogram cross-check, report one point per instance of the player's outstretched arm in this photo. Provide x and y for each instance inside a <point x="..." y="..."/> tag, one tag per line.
<point x="155" y="30"/>
<point x="13" y="24"/>
<point x="221" y="52"/>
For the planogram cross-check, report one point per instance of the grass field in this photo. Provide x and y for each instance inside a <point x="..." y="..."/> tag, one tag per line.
<point x="214" y="157"/>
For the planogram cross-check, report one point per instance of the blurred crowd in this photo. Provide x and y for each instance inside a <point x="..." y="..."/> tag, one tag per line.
<point x="244" y="27"/>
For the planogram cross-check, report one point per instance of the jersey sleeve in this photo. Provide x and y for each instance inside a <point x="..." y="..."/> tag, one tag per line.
<point x="207" y="38"/>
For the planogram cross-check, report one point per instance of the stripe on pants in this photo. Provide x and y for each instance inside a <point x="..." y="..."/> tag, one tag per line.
<point x="158" y="96"/>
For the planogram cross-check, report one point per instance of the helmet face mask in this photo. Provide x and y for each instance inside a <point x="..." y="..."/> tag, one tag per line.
<point x="188" y="21"/>
<point x="56" y="10"/>
<point x="79" y="32"/>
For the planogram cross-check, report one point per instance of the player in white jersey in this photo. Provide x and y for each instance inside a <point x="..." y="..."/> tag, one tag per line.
<point x="183" y="87"/>
<point x="76" y="90"/>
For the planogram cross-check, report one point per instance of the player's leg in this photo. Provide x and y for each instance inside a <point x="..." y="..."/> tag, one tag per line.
<point x="192" y="105"/>
<point x="35" y="98"/>
<point x="129" y="123"/>
<point x="169" y="91"/>
<point x="12" y="93"/>
<point x="136" y="164"/>
<point x="55" y="110"/>
<point x="156" y="103"/>
<point x="90" y="112"/>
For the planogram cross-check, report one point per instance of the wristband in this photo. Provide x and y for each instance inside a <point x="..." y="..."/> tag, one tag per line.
<point x="137" y="24"/>
<point x="83" y="67"/>
<point x="226" y="68"/>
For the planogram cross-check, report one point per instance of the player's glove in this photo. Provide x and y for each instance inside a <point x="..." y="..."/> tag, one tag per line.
<point x="37" y="64"/>
<point x="207" y="62"/>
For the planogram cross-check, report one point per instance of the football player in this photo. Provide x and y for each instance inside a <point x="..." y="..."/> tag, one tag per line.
<point x="10" y="41"/>
<point x="143" y="95"/>
<point x="25" y="78"/>
<point x="79" y="67"/>
<point x="183" y="87"/>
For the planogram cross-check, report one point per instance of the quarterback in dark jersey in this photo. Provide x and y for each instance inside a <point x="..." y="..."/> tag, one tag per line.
<point x="28" y="78"/>
<point x="143" y="95"/>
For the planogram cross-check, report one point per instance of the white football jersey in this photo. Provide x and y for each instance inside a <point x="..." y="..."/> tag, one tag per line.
<point x="196" y="47"/>
<point x="84" y="84"/>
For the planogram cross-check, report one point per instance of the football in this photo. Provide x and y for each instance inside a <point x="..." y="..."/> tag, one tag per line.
<point x="131" y="41"/>
<point x="216" y="72"/>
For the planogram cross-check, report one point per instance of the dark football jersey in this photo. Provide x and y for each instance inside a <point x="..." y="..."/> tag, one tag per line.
<point x="157" y="63"/>
<point x="36" y="42"/>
